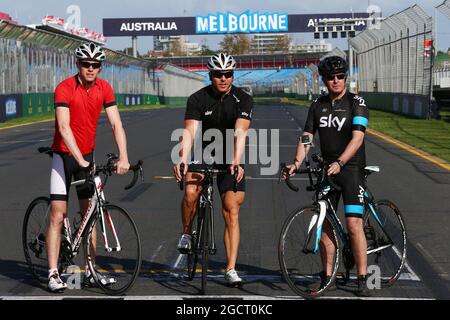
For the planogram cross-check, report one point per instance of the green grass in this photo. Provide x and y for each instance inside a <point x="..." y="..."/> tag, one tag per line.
<point x="33" y="119"/>
<point x="25" y="120"/>
<point x="431" y="136"/>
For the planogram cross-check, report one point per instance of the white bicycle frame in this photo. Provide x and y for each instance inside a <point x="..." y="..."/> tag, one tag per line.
<point x="95" y="204"/>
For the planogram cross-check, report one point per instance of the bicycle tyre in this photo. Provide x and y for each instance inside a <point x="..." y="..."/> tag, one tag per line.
<point x="192" y="256"/>
<point x="33" y="239"/>
<point x="294" y="261"/>
<point x="121" y="266"/>
<point x="392" y="259"/>
<point x="205" y="246"/>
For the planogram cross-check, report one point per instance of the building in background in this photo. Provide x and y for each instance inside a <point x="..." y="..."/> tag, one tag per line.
<point x="176" y="45"/>
<point x="320" y="46"/>
<point x="267" y="42"/>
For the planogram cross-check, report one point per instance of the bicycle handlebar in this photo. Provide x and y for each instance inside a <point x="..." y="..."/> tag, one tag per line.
<point x="319" y="172"/>
<point x="107" y="169"/>
<point x="208" y="169"/>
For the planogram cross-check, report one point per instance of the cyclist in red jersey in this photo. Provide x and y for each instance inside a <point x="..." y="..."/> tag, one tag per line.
<point x="78" y="103"/>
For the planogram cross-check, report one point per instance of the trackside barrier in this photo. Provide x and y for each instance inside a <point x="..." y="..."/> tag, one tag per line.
<point x="406" y="104"/>
<point x="34" y="104"/>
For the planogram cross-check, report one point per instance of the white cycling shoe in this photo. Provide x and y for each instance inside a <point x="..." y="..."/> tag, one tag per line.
<point x="55" y="284"/>
<point x="184" y="245"/>
<point x="232" y="278"/>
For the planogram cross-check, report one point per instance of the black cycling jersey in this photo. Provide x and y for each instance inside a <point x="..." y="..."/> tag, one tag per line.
<point x="335" y="123"/>
<point x="216" y="112"/>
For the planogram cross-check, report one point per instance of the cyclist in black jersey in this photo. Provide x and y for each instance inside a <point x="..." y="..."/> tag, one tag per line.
<point x="220" y="106"/>
<point x="341" y="119"/>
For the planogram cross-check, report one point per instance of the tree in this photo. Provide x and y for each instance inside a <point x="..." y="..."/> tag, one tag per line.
<point x="227" y="44"/>
<point x="282" y="44"/>
<point x="235" y="44"/>
<point x="241" y="44"/>
<point x="206" y="51"/>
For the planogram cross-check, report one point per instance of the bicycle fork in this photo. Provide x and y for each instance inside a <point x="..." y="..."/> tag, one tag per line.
<point x="204" y="203"/>
<point x="317" y="222"/>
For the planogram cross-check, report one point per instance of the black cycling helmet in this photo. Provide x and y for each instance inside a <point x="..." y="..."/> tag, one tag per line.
<point x="332" y="65"/>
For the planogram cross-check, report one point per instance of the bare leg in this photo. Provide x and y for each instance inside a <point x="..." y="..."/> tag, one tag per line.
<point x="231" y="203"/>
<point x="192" y="193"/>
<point x="53" y="238"/>
<point x="359" y="244"/>
<point x="327" y="248"/>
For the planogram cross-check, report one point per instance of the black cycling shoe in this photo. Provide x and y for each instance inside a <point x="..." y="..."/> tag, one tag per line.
<point x="324" y="279"/>
<point x="363" y="290"/>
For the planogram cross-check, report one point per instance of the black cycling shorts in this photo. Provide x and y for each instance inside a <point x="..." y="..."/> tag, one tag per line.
<point x="225" y="182"/>
<point x="352" y="182"/>
<point x="64" y="168"/>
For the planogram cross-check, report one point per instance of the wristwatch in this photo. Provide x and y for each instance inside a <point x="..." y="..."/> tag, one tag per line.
<point x="340" y="163"/>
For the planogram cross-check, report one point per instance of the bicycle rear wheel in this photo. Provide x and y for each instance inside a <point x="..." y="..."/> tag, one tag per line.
<point x="300" y="265"/>
<point x="34" y="231"/>
<point x="386" y="240"/>
<point x="115" y="254"/>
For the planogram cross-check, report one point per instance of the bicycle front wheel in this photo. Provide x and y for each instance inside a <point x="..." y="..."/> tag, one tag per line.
<point x="205" y="245"/>
<point x="34" y="232"/>
<point x="192" y="256"/>
<point x="386" y="240"/>
<point x="114" y="250"/>
<point x="302" y="265"/>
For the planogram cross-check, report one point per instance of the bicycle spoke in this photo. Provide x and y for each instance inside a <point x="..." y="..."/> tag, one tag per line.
<point x="386" y="242"/>
<point x="119" y="265"/>
<point x="302" y="271"/>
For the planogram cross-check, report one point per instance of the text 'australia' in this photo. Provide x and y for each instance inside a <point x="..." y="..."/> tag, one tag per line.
<point x="148" y="26"/>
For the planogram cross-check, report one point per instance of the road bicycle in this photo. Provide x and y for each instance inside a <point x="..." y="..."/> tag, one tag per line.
<point x="116" y="254"/>
<point x="299" y="242"/>
<point x="202" y="234"/>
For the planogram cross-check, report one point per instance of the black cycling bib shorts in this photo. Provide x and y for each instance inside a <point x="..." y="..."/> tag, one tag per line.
<point x="64" y="168"/>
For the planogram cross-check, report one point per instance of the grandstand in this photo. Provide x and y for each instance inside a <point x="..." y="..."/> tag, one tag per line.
<point x="273" y="81"/>
<point x="248" y="61"/>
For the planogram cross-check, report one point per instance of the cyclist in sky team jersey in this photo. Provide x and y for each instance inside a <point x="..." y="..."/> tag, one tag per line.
<point x="341" y="119"/>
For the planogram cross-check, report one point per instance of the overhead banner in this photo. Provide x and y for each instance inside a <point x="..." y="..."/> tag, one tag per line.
<point x="226" y="23"/>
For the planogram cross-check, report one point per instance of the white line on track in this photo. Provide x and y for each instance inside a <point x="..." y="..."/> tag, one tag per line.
<point x="411" y="274"/>
<point x="193" y="297"/>
<point x="152" y="259"/>
<point x="270" y="145"/>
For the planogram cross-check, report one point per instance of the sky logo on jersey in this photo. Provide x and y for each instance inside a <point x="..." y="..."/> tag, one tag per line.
<point x="245" y="22"/>
<point x="329" y="122"/>
<point x="362" y="102"/>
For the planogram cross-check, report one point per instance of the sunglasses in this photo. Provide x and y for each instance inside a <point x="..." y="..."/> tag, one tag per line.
<point x="340" y="76"/>
<point x="218" y="74"/>
<point x="87" y="65"/>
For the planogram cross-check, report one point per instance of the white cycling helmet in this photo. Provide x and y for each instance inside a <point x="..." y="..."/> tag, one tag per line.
<point x="221" y="62"/>
<point x="90" y="51"/>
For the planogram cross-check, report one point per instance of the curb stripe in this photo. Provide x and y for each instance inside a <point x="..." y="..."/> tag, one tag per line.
<point x="410" y="149"/>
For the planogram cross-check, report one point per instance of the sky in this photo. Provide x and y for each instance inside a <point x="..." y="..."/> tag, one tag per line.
<point x="93" y="11"/>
